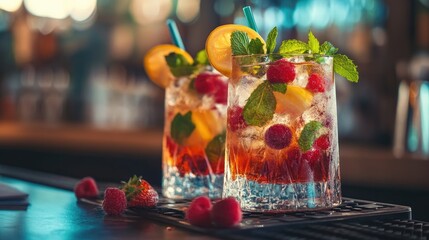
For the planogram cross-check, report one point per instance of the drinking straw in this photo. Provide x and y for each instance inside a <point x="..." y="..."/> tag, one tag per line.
<point x="174" y="33"/>
<point x="250" y="19"/>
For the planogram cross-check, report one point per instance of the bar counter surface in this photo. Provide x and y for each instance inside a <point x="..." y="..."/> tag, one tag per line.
<point x="54" y="213"/>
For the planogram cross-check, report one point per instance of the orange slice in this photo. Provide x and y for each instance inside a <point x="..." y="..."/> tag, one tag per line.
<point x="218" y="46"/>
<point x="208" y="124"/>
<point x="294" y="102"/>
<point x="156" y="67"/>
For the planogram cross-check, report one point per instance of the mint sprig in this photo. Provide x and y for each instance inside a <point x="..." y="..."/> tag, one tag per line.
<point x="260" y="106"/>
<point x="313" y="43"/>
<point x="272" y="40"/>
<point x="215" y="149"/>
<point x="308" y="135"/>
<point x="180" y="67"/>
<point x="293" y="46"/>
<point x="182" y="127"/>
<point x="242" y="45"/>
<point x="345" y="67"/>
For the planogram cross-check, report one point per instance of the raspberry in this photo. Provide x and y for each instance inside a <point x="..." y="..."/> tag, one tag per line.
<point x="278" y="136"/>
<point x="199" y="165"/>
<point x="281" y="71"/>
<point x="226" y="213"/>
<point x="322" y="142"/>
<point x="204" y="83"/>
<point x="114" y="202"/>
<point x="316" y="83"/>
<point x="86" y="188"/>
<point x="198" y="212"/>
<point x="221" y="92"/>
<point x="235" y="118"/>
<point x="312" y="156"/>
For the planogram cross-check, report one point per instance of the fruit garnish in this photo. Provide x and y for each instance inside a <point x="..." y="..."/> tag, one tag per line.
<point x="260" y="106"/>
<point x="182" y="127"/>
<point x="316" y="83"/>
<point x="114" y="202"/>
<point x="198" y="213"/>
<point x="206" y="122"/>
<point x="156" y="65"/>
<point x="219" y="49"/>
<point x="308" y="135"/>
<point x="294" y="102"/>
<point x="281" y="71"/>
<point x="235" y="118"/>
<point x="278" y="136"/>
<point x="139" y="193"/>
<point x="86" y="188"/>
<point x="212" y="84"/>
<point x="215" y="152"/>
<point x="342" y="64"/>
<point x="226" y="213"/>
<point x="312" y="156"/>
<point x="322" y="142"/>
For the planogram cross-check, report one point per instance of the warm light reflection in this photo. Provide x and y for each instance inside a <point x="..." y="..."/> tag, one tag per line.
<point x="146" y="12"/>
<point x="188" y="10"/>
<point x="82" y="9"/>
<point x="10" y="5"/>
<point x="58" y="9"/>
<point x="79" y="10"/>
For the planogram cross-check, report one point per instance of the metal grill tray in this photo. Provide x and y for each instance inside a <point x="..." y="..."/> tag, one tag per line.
<point x="173" y="213"/>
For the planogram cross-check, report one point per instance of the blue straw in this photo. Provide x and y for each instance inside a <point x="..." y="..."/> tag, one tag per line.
<point x="250" y="19"/>
<point x="175" y="35"/>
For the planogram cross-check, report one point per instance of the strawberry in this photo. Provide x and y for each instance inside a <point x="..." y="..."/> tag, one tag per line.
<point x="114" y="202"/>
<point x="281" y="71"/>
<point x="86" y="188"/>
<point x="316" y="83"/>
<point x="226" y="213"/>
<point x="198" y="212"/>
<point x="278" y="136"/>
<point x="139" y="193"/>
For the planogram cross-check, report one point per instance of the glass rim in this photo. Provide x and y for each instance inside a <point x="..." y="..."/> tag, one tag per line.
<point x="280" y="54"/>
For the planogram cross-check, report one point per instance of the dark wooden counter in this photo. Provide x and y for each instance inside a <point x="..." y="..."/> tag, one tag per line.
<point x="55" y="214"/>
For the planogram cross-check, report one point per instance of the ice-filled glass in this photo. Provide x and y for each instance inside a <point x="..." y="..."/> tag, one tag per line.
<point x="194" y="136"/>
<point x="281" y="141"/>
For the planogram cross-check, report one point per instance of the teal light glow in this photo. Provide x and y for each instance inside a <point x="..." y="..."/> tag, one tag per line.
<point x="424" y="116"/>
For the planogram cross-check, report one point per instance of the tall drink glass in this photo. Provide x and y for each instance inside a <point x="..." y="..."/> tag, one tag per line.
<point x="282" y="145"/>
<point x="194" y="136"/>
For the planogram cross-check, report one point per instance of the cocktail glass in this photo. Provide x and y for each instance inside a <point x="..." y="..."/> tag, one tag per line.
<point x="194" y="136"/>
<point x="282" y="144"/>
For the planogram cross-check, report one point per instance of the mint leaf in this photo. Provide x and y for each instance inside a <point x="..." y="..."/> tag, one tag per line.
<point x="178" y="64"/>
<point x="239" y="43"/>
<point x="182" y="127"/>
<point x="215" y="149"/>
<point x="345" y="67"/>
<point x="256" y="46"/>
<point x="271" y="40"/>
<point x="201" y="58"/>
<point x="308" y="135"/>
<point x="260" y="106"/>
<point x="293" y="47"/>
<point x="279" y="87"/>
<point x="313" y="43"/>
<point x="328" y="49"/>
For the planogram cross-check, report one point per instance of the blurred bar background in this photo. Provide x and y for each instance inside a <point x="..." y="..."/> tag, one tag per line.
<point x="75" y="100"/>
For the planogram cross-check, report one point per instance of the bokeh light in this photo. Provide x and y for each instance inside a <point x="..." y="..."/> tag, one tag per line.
<point x="187" y="10"/>
<point x="146" y="12"/>
<point x="10" y="5"/>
